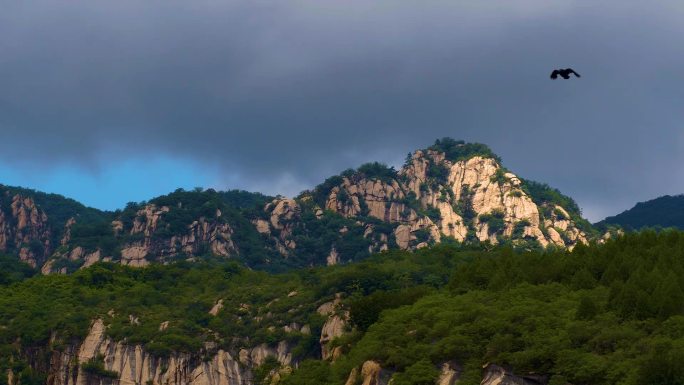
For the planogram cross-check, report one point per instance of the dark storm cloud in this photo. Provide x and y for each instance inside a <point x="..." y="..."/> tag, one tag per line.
<point x="279" y="95"/>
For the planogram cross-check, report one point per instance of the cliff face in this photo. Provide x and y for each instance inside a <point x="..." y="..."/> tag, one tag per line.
<point x="98" y="360"/>
<point x="432" y="197"/>
<point x="24" y="229"/>
<point x="208" y="233"/>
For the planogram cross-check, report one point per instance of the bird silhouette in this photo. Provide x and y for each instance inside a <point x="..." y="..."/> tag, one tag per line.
<point x="564" y="73"/>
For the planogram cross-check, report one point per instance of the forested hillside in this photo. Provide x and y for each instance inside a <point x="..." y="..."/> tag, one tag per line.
<point x="601" y="314"/>
<point x="662" y="212"/>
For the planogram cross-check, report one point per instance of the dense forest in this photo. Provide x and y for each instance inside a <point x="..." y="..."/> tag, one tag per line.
<point x="601" y="314"/>
<point x="662" y="212"/>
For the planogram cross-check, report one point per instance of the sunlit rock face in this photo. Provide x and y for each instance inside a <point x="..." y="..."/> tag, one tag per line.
<point x="132" y="364"/>
<point x="436" y="197"/>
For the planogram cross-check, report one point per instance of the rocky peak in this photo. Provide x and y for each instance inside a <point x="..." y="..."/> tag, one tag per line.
<point x="451" y="189"/>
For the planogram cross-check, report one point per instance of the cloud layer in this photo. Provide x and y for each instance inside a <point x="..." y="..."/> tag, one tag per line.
<point x="278" y="95"/>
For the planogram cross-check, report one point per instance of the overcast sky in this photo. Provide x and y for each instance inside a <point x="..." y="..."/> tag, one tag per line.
<point x="116" y="101"/>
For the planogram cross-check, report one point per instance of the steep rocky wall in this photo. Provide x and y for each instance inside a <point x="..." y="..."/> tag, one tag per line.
<point x="202" y="235"/>
<point x="202" y="231"/>
<point x="478" y="187"/>
<point x="134" y="366"/>
<point x="335" y="326"/>
<point x="24" y="227"/>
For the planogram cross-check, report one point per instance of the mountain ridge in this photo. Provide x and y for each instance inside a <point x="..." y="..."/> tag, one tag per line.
<point x="451" y="191"/>
<point x="664" y="211"/>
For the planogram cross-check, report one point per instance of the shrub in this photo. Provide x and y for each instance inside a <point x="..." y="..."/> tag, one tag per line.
<point x="456" y="150"/>
<point x="495" y="221"/>
<point x="96" y="367"/>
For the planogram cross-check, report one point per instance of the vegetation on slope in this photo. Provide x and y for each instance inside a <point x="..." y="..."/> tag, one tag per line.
<point x="12" y="270"/>
<point x="662" y="212"/>
<point x="610" y="314"/>
<point x="602" y="314"/>
<point x="58" y="209"/>
<point x="546" y="197"/>
<point x="456" y="150"/>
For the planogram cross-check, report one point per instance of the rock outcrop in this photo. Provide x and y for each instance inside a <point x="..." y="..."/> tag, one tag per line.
<point x="370" y="374"/>
<point x="201" y="233"/>
<point x="432" y="197"/>
<point x="151" y="240"/>
<point x="496" y="375"/>
<point x="24" y="229"/>
<point x="133" y="365"/>
<point x="449" y="374"/>
<point x="283" y="214"/>
<point x="334" y="326"/>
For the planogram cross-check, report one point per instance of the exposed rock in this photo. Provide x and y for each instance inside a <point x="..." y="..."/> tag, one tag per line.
<point x="353" y="376"/>
<point x="381" y="200"/>
<point x="496" y="375"/>
<point x="284" y="214"/>
<point x="200" y="233"/>
<point x="479" y="183"/>
<point x="135" y="366"/>
<point x="283" y="210"/>
<point x="259" y="353"/>
<point x="163" y="326"/>
<point x="449" y="374"/>
<point x="371" y="374"/>
<point x="428" y="198"/>
<point x="67" y="231"/>
<point x="403" y="236"/>
<point x="117" y="227"/>
<point x="216" y="308"/>
<point x="91" y="259"/>
<point x="134" y="256"/>
<point x="47" y="267"/>
<point x="26" y="229"/>
<point x="333" y="258"/>
<point x="147" y="218"/>
<point x="333" y="327"/>
<point x="262" y="226"/>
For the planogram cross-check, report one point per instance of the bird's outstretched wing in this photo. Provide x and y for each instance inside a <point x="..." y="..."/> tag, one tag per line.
<point x="554" y="74"/>
<point x="570" y="70"/>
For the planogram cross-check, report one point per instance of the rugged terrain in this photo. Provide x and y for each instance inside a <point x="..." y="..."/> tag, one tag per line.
<point x="452" y="191"/>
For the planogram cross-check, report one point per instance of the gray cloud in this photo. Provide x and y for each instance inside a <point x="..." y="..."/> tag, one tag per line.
<point x="282" y="94"/>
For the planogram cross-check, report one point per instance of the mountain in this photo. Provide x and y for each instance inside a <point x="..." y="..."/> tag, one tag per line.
<point x="451" y="191"/>
<point x="662" y="212"/>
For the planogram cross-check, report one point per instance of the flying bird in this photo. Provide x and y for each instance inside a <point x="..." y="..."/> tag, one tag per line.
<point x="564" y="73"/>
